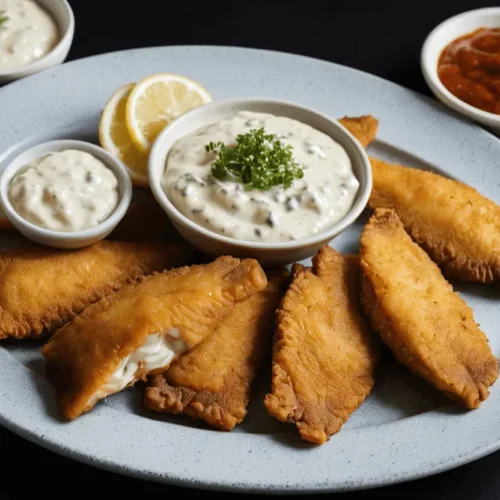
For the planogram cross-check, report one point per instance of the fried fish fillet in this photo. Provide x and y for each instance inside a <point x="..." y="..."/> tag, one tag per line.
<point x="364" y="128"/>
<point x="41" y="289"/>
<point x="457" y="226"/>
<point x="213" y="381"/>
<point x="428" y="326"/>
<point x="142" y="328"/>
<point x="325" y="355"/>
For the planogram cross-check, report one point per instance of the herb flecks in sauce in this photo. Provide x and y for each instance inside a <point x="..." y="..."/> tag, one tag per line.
<point x="321" y="197"/>
<point x="3" y="18"/>
<point x="65" y="191"/>
<point x="259" y="161"/>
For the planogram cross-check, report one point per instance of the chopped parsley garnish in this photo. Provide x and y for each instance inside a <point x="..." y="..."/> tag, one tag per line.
<point x="259" y="161"/>
<point x="3" y="18"/>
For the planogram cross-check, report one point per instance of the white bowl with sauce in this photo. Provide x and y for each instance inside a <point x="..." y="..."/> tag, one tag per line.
<point x="267" y="252"/>
<point x="61" y="13"/>
<point x="437" y="40"/>
<point x="59" y="238"/>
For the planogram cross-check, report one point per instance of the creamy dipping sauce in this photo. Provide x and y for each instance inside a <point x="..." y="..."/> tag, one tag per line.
<point x="312" y="204"/>
<point x="65" y="191"/>
<point x="27" y="34"/>
<point x="155" y="354"/>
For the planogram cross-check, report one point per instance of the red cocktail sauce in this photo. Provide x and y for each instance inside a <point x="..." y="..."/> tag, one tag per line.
<point x="469" y="67"/>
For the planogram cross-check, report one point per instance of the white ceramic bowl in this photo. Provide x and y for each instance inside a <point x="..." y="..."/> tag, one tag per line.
<point x="272" y="253"/>
<point x="62" y="13"/>
<point x="437" y="40"/>
<point x="59" y="239"/>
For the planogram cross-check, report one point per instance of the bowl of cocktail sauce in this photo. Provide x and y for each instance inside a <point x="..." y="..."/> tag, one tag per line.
<point x="460" y="62"/>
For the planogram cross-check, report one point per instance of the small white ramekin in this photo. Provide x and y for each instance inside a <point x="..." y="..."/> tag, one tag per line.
<point x="61" y="12"/>
<point x="272" y="253"/>
<point x="60" y="239"/>
<point x="434" y="44"/>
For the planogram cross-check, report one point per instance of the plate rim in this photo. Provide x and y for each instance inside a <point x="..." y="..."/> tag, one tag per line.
<point x="8" y="417"/>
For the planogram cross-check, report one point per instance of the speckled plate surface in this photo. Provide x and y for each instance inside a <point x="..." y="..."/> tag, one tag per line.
<point x="404" y="430"/>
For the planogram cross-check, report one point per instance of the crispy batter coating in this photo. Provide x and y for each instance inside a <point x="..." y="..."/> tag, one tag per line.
<point x="364" y="128"/>
<point x="325" y="355"/>
<point x="86" y="352"/>
<point x="41" y="288"/>
<point x="458" y="227"/>
<point x="213" y="381"/>
<point x="428" y="326"/>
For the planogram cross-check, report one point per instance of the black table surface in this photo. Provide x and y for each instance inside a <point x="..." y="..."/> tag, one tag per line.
<point x="378" y="36"/>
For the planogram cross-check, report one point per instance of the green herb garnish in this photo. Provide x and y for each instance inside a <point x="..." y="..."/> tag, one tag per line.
<point x="3" y="18"/>
<point x="259" y="161"/>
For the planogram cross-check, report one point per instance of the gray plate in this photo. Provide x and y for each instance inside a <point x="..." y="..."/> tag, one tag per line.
<point x="404" y="430"/>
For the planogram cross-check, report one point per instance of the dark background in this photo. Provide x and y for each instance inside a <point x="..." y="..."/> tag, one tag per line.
<point x="379" y="36"/>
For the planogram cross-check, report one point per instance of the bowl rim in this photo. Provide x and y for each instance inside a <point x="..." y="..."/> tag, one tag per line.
<point x="429" y="70"/>
<point x="325" y="235"/>
<point x="39" y="64"/>
<point x="115" y="165"/>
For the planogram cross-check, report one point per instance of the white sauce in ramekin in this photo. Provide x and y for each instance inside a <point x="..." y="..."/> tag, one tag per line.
<point x="28" y="33"/>
<point x="312" y="204"/>
<point x="65" y="191"/>
<point x="155" y="354"/>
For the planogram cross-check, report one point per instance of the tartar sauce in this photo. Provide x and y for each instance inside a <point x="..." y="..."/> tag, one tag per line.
<point x="27" y="34"/>
<point x="65" y="191"/>
<point x="312" y="204"/>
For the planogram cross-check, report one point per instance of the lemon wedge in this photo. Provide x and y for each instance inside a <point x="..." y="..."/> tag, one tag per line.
<point x="114" y="136"/>
<point x="157" y="100"/>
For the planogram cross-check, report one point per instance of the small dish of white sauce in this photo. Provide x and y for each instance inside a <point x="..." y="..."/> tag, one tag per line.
<point x="27" y="33"/>
<point x="65" y="194"/>
<point x="66" y="191"/>
<point x="319" y="199"/>
<point x="34" y="35"/>
<point x="277" y="181"/>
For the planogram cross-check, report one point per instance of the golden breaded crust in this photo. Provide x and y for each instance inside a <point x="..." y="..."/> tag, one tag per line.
<point x="41" y="288"/>
<point x="85" y="353"/>
<point x="457" y="226"/>
<point x="325" y="355"/>
<point x="364" y="128"/>
<point x="428" y="326"/>
<point x="213" y="381"/>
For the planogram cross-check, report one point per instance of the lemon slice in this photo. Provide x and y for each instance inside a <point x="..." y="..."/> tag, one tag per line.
<point x="156" y="101"/>
<point x="114" y="136"/>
